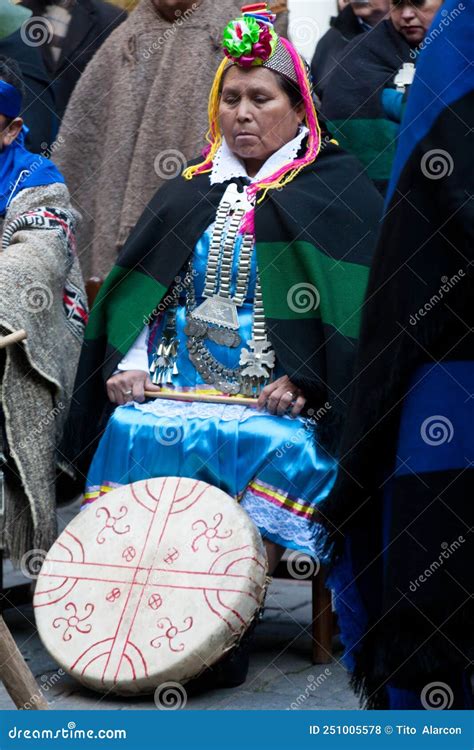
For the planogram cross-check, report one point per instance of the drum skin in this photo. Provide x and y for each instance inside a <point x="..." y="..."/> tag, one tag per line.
<point x="152" y="583"/>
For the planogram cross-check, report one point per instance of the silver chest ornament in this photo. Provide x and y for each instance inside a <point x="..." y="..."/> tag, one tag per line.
<point x="258" y="360"/>
<point x="216" y="318"/>
<point x="219" y="308"/>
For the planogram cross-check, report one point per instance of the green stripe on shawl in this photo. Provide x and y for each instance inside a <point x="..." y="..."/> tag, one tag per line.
<point x="340" y="285"/>
<point x="373" y="141"/>
<point x="126" y="299"/>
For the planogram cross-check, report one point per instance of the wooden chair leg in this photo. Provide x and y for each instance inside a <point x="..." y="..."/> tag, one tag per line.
<point x="323" y="621"/>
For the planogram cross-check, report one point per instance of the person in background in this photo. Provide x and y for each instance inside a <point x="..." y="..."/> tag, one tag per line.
<point x="73" y="31"/>
<point x="137" y="115"/>
<point x="38" y="109"/>
<point x="355" y="18"/>
<point x="353" y="103"/>
<point x="401" y="512"/>
<point x="42" y="293"/>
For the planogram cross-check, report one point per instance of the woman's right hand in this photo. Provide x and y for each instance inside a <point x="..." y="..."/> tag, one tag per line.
<point x="129" y="385"/>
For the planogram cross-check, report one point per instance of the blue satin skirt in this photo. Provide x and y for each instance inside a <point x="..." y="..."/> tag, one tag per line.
<point x="272" y="465"/>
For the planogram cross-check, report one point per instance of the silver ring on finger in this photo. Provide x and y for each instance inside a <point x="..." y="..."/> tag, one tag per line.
<point x="127" y="393"/>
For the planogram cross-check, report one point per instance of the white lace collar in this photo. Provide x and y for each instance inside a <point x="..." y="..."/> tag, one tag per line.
<point x="227" y="165"/>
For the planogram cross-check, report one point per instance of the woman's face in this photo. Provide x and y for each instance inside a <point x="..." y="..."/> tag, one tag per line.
<point x="256" y="115"/>
<point x="413" y="18"/>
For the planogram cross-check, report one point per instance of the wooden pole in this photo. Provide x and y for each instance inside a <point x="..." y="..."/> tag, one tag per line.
<point x="14" y="671"/>
<point x="17" y="676"/>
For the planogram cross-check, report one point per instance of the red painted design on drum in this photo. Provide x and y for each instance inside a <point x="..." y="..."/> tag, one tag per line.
<point x="155" y="601"/>
<point x="171" y="632"/>
<point x="129" y="553"/>
<point x="210" y="533"/>
<point x="141" y="574"/>
<point x="181" y="501"/>
<point x="113" y="595"/>
<point x="131" y="653"/>
<point x="144" y="504"/>
<point x="75" y="550"/>
<point x="73" y="622"/>
<point x="172" y="555"/>
<point x="110" y="523"/>
<point x="234" y="612"/>
<point x="216" y="611"/>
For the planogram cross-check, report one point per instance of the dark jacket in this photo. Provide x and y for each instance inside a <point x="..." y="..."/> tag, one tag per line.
<point x="38" y="111"/>
<point x="344" y="27"/>
<point x="352" y="105"/>
<point x="91" y="23"/>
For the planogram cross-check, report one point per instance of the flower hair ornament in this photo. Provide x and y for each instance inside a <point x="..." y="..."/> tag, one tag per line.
<point x="251" y="41"/>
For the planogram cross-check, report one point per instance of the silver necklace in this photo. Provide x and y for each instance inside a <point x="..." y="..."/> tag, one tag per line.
<point x="216" y="318"/>
<point x="219" y="309"/>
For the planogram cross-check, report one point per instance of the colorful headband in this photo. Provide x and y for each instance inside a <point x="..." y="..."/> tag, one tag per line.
<point x="249" y="41"/>
<point x="10" y="100"/>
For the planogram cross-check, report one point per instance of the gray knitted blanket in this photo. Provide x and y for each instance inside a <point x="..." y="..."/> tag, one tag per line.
<point x="41" y="290"/>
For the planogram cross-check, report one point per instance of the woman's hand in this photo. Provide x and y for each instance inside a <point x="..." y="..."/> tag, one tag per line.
<point x="279" y="395"/>
<point x="129" y="385"/>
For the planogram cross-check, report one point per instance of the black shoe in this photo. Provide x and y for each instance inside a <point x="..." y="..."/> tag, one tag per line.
<point x="230" y="671"/>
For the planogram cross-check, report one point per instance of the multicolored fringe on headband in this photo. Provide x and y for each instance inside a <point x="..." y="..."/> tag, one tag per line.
<point x="250" y="41"/>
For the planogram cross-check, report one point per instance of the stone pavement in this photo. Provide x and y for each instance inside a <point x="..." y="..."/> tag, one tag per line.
<point x="281" y="675"/>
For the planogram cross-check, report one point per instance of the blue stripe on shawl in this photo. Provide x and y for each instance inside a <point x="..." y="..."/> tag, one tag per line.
<point x="445" y="64"/>
<point x="438" y="415"/>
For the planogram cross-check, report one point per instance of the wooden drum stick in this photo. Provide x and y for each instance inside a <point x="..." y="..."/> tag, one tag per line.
<point x="204" y="398"/>
<point x="12" y="338"/>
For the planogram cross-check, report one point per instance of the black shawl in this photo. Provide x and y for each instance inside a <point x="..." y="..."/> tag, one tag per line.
<point x="314" y="243"/>
<point x="352" y="106"/>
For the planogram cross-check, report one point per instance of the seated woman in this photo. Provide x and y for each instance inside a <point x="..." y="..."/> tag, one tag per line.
<point x="244" y="276"/>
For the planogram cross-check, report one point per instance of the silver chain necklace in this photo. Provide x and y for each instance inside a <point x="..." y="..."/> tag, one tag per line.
<point x="217" y="319"/>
